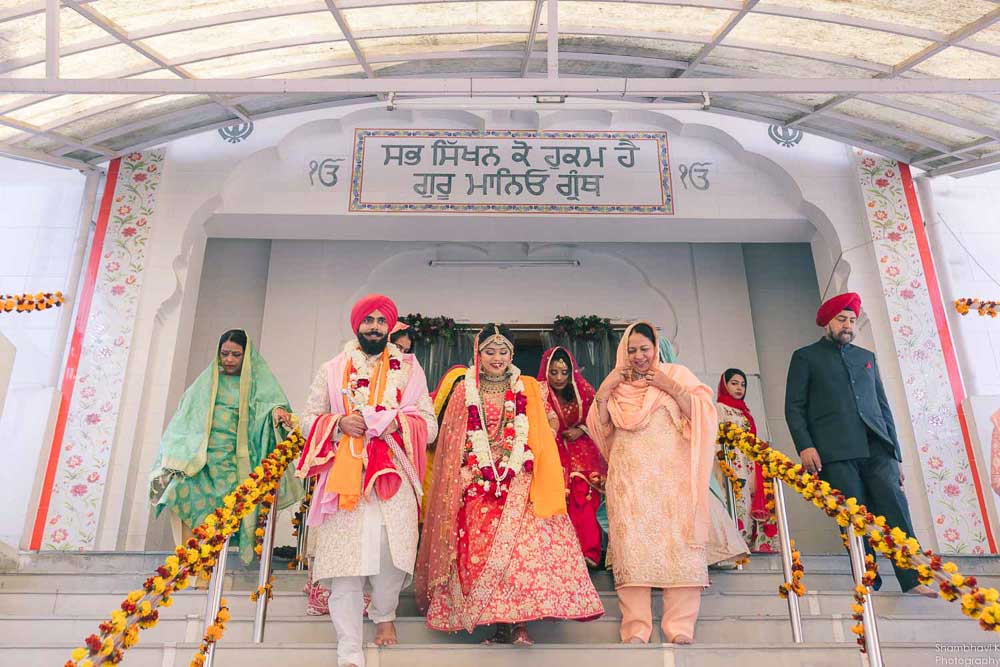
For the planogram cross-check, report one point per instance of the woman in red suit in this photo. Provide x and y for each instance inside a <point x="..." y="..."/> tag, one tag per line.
<point x="584" y="469"/>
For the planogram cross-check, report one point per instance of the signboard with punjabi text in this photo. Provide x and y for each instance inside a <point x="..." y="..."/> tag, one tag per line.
<point x="511" y="171"/>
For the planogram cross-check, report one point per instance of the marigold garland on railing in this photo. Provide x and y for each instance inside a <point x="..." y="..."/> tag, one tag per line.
<point x="977" y="603"/>
<point x="798" y="571"/>
<point x="26" y="303"/>
<point x="860" y="593"/>
<point x="212" y="634"/>
<point x="991" y="308"/>
<point x="724" y="456"/>
<point x="298" y="519"/>
<point x="139" y="610"/>
<point x="266" y="589"/>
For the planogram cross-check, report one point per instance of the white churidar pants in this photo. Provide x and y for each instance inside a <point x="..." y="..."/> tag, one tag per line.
<point x="347" y="603"/>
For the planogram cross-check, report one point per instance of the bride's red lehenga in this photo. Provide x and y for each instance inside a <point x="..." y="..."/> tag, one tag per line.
<point x="584" y="469"/>
<point x="486" y="559"/>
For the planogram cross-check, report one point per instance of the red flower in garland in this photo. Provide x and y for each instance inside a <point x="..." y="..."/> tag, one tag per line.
<point x="394" y="364"/>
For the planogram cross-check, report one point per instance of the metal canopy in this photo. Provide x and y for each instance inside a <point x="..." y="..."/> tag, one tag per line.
<point x="84" y="80"/>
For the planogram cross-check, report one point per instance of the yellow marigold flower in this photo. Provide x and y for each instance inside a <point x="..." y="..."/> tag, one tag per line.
<point x="158" y="585"/>
<point x="198" y="660"/>
<point x="86" y="663"/>
<point x="842" y="520"/>
<point x="172" y="564"/>
<point x="860" y="590"/>
<point x="80" y="653"/>
<point x="223" y="615"/>
<point x="166" y="601"/>
<point x="145" y="608"/>
<point x="991" y="594"/>
<point x="229" y="501"/>
<point x="118" y="620"/>
<point x="898" y="535"/>
<point x="957" y="580"/>
<point x="181" y="583"/>
<point x="880" y="521"/>
<point x="969" y="601"/>
<point x="214" y="632"/>
<point x="136" y="595"/>
<point x="206" y="551"/>
<point x="949" y="567"/>
<point x="858" y="629"/>
<point x="857" y="609"/>
<point x="831" y="503"/>
<point x="107" y="646"/>
<point x="259" y="532"/>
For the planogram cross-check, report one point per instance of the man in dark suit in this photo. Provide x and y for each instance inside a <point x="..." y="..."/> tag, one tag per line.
<point x="840" y="420"/>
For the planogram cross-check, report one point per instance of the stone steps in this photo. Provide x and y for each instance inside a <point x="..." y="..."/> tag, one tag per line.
<point x="237" y="654"/>
<point x="722" y="581"/>
<point x="412" y="630"/>
<point x="49" y="602"/>
<point x="288" y="603"/>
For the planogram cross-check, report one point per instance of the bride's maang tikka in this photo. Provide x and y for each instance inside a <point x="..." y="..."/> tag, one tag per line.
<point x="498" y="338"/>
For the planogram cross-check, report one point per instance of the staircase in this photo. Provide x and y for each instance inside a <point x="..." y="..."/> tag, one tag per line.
<point x="50" y="601"/>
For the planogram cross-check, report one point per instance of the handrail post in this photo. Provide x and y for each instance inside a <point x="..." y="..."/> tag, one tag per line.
<point x="303" y="544"/>
<point x="784" y="540"/>
<point x="856" y="548"/>
<point x="730" y="493"/>
<point x="264" y="575"/>
<point x="215" y="587"/>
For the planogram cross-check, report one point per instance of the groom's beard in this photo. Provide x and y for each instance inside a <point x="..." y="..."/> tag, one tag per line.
<point x="372" y="346"/>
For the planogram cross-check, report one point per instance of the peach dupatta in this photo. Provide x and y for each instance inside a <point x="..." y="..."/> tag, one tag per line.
<point x="631" y="407"/>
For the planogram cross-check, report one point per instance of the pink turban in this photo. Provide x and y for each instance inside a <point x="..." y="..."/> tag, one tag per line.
<point x="367" y="305"/>
<point x="835" y="305"/>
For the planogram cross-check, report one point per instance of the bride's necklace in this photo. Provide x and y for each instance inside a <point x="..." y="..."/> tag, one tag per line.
<point x="494" y="385"/>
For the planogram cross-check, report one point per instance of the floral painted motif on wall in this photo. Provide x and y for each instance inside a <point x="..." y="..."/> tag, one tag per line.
<point x="79" y="485"/>
<point x="951" y="492"/>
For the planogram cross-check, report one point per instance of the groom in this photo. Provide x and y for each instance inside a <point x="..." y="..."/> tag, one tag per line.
<point x="369" y="418"/>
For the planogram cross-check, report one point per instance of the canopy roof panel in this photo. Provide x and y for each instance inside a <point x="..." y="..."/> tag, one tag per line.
<point x="166" y="69"/>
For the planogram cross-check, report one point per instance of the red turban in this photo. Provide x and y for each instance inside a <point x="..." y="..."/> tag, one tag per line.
<point x="367" y="305"/>
<point x="835" y="305"/>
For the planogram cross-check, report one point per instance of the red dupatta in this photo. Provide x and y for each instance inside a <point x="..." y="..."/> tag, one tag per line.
<point x="584" y="392"/>
<point x="758" y="504"/>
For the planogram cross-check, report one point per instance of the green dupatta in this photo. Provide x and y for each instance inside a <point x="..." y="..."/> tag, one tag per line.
<point x="184" y="446"/>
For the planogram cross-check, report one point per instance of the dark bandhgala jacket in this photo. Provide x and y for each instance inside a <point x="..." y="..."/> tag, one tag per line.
<point x="834" y="398"/>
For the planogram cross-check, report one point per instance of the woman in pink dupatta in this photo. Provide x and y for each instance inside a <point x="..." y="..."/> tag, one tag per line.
<point x="656" y="424"/>
<point x="584" y="469"/>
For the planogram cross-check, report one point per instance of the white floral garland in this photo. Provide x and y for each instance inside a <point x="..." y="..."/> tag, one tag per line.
<point x="479" y="441"/>
<point x="362" y="369"/>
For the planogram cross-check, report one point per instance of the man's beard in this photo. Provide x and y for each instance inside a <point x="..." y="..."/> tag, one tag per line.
<point x="372" y="347"/>
<point x="843" y="338"/>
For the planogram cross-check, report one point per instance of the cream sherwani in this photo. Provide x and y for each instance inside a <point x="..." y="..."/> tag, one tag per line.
<point x="374" y="545"/>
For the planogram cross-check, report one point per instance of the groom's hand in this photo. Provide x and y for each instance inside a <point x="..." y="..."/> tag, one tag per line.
<point x="353" y="425"/>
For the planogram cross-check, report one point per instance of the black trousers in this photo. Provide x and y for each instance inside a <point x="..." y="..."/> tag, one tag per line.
<point x="874" y="481"/>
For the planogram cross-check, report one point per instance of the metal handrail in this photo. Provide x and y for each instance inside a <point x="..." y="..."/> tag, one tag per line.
<point x="215" y="598"/>
<point x="264" y="575"/>
<point x="785" y="544"/>
<point x="730" y="495"/>
<point x="856" y="548"/>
